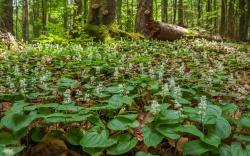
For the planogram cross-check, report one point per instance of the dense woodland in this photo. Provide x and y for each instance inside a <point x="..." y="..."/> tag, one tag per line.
<point x="29" y="19"/>
<point x="125" y="77"/>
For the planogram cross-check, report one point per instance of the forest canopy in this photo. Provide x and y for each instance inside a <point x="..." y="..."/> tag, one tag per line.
<point x="30" y="19"/>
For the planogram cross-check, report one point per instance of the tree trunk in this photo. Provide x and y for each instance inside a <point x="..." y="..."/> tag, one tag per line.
<point x="35" y="14"/>
<point x="26" y="20"/>
<point x="65" y="16"/>
<point x="102" y="12"/>
<point x="164" y="10"/>
<point x="119" y="11"/>
<point x="109" y="12"/>
<point x="164" y="31"/>
<point x="94" y="12"/>
<point x="180" y="13"/>
<point x="209" y="10"/>
<point x="77" y="19"/>
<point x="6" y="16"/>
<point x="16" y="19"/>
<point x="199" y="9"/>
<point x="231" y="20"/>
<point x="223" y="23"/>
<point x="85" y="11"/>
<point x="248" y="19"/>
<point x="215" y="9"/>
<point x="44" y="15"/>
<point x="242" y="26"/>
<point x="174" y="10"/>
<point x="244" y="20"/>
<point x="144" y="15"/>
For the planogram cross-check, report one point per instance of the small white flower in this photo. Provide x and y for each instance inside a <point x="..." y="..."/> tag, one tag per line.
<point x="98" y="69"/>
<point x="116" y="73"/>
<point x="121" y="88"/>
<point x="165" y="89"/>
<point x="87" y="97"/>
<point x="177" y="104"/>
<point x="67" y="96"/>
<point x="172" y="82"/>
<point x="8" y="152"/>
<point x="155" y="107"/>
<point x="177" y="92"/>
<point x="99" y="89"/>
<point x="161" y="73"/>
<point x="151" y="73"/>
<point x="92" y="79"/>
<point x="141" y="67"/>
<point x="182" y="68"/>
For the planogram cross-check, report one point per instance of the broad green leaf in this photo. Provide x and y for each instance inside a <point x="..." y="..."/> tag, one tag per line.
<point x="35" y="107"/>
<point x="18" y="106"/>
<point x="123" y="122"/>
<point x="18" y="121"/>
<point x="236" y="149"/>
<point x="222" y="128"/>
<point x="196" y="148"/>
<point x="124" y="145"/>
<point x="191" y="129"/>
<point x="93" y="151"/>
<point x="211" y="139"/>
<point x="74" y="136"/>
<point x="6" y="138"/>
<point x="242" y="137"/>
<point x="37" y="133"/>
<point x="245" y="122"/>
<point x="117" y="125"/>
<point x="65" y="83"/>
<point x="225" y="150"/>
<point x="117" y="101"/>
<point x="151" y="137"/>
<point x="97" y="140"/>
<point x="167" y="132"/>
<point x="11" y="151"/>
<point x="144" y="154"/>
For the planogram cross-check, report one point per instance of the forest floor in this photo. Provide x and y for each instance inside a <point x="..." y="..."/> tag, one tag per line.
<point x="141" y="97"/>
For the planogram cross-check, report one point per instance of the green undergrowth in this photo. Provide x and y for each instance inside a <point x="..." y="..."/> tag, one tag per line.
<point x="128" y="96"/>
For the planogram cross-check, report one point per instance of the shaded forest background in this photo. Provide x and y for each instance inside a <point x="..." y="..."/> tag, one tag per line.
<point x="29" y="19"/>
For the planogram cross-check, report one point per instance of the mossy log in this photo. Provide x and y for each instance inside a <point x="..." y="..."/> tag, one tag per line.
<point x="164" y="31"/>
<point x="170" y="32"/>
<point x="105" y="32"/>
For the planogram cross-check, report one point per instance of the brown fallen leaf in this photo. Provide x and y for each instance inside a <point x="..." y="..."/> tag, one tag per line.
<point x="179" y="145"/>
<point x="237" y="115"/>
<point x="5" y="106"/>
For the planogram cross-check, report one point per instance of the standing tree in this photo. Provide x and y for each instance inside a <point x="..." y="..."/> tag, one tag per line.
<point x="102" y="12"/>
<point x="108" y="12"/>
<point x="180" y="13"/>
<point x="26" y="20"/>
<point x="77" y="19"/>
<point x="6" y="16"/>
<point x="244" y="6"/>
<point x="44" y="16"/>
<point x="144" y="15"/>
<point x="199" y="11"/>
<point x="174" y="10"/>
<point x="209" y="18"/>
<point x="231" y="20"/>
<point x="119" y="11"/>
<point x="223" y="22"/>
<point x="164" y="10"/>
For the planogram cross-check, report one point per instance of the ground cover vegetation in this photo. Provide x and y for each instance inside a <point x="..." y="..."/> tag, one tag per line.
<point x="124" y="77"/>
<point x="144" y="96"/>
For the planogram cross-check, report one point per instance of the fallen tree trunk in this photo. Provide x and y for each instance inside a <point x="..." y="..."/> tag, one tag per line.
<point x="164" y="31"/>
<point x="170" y="32"/>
